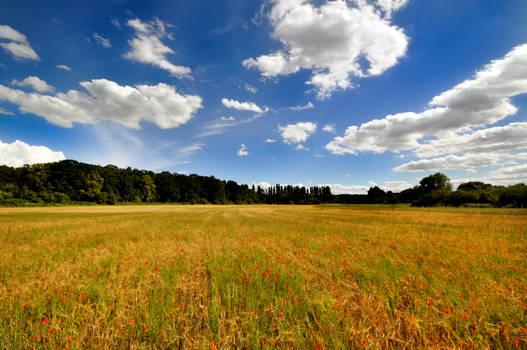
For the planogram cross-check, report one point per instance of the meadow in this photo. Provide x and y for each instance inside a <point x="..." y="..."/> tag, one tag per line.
<point x="258" y="277"/>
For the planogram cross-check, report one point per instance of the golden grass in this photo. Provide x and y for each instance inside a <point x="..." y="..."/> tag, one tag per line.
<point x="231" y="277"/>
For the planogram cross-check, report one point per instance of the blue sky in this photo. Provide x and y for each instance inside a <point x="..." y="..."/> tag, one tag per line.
<point x="346" y="93"/>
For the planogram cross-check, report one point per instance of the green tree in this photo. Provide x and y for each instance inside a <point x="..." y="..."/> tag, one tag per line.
<point x="435" y="182"/>
<point x="148" y="189"/>
<point x="93" y="186"/>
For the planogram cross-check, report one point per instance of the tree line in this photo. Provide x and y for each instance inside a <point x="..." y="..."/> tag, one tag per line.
<point x="70" y="181"/>
<point x="436" y="190"/>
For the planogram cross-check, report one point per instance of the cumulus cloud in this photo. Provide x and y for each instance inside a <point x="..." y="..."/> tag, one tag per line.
<point x="227" y="119"/>
<point x="301" y="148"/>
<point x="475" y="103"/>
<point x="465" y="161"/>
<point x="63" y="67"/>
<point x="500" y="138"/>
<point x="101" y="40"/>
<point x="270" y="141"/>
<point x="509" y="175"/>
<point x="390" y="6"/>
<point x="297" y="133"/>
<point x="147" y="47"/>
<point x="243" y="106"/>
<point x="394" y="186"/>
<point x="309" y="105"/>
<point x="329" y="128"/>
<point x="106" y="100"/>
<point x="331" y="40"/>
<point x="347" y="189"/>
<point x="18" y="153"/>
<point x="242" y="152"/>
<point x="34" y="82"/>
<point x="17" y="43"/>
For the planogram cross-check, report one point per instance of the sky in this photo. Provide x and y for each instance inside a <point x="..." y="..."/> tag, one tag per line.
<point x="345" y="93"/>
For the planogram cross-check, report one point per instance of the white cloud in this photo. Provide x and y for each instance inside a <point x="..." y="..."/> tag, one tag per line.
<point x="243" y="151"/>
<point x="18" y="153"/>
<point x="300" y="147"/>
<point x="243" y="106"/>
<point x="329" y="128"/>
<point x="501" y="138"/>
<point x="474" y="103"/>
<point x="270" y="141"/>
<point x="221" y="127"/>
<point x="331" y="40"/>
<point x="8" y="33"/>
<point x="106" y="100"/>
<point x="521" y="156"/>
<point x="264" y="185"/>
<point x="389" y="6"/>
<point x="35" y="82"/>
<point x="465" y="161"/>
<point x="146" y="46"/>
<point x="189" y="150"/>
<point x="395" y="186"/>
<point x="296" y="133"/>
<point x="3" y="111"/>
<point x="301" y="108"/>
<point x="101" y="40"/>
<point x="510" y="175"/>
<point x="250" y="88"/>
<point x="347" y="189"/>
<point x="63" y="67"/>
<point x="18" y="45"/>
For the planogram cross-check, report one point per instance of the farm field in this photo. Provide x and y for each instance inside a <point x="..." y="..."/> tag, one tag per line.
<point x="292" y="277"/>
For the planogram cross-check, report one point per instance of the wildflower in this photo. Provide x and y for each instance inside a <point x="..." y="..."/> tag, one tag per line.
<point x="317" y="347"/>
<point x="69" y="339"/>
<point x="45" y="321"/>
<point x="35" y="338"/>
<point x="131" y="322"/>
<point x="429" y="303"/>
<point x="146" y="330"/>
<point x="447" y="311"/>
<point x="364" y="342"/>
<point x="516" y="341"/>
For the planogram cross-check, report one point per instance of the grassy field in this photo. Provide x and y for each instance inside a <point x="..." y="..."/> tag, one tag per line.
<point x="293" y="277"/>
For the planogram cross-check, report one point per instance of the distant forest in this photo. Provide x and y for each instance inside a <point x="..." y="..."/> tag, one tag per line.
<point x="70" y="181"/>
